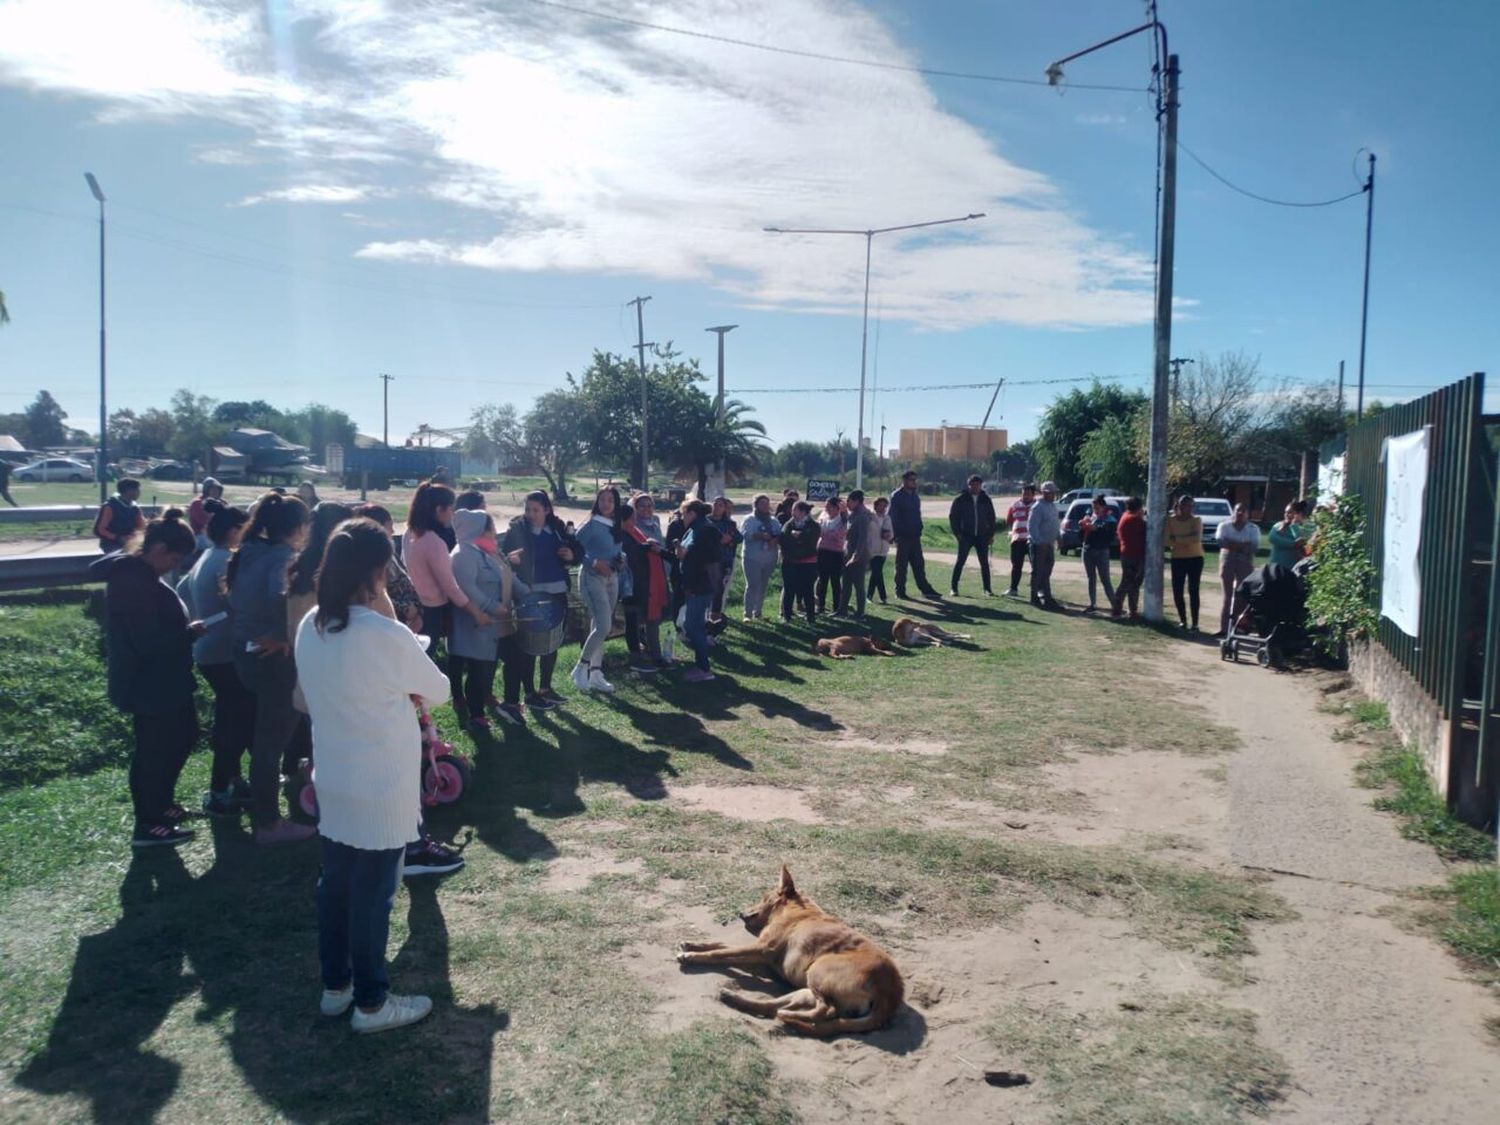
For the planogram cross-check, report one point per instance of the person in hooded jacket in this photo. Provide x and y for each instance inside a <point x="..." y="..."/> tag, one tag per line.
<point x="541" y="549"/>
<point x="488" y="581"/>
<point x="799" y="562"/>
<point x="149" y="644"/>
<point x="256" y="580"/>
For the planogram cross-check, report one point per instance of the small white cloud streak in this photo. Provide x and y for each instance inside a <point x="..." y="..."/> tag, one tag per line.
<point x="595" y="149"/>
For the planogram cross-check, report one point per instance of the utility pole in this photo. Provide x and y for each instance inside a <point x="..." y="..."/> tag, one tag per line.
<point x="1156" y="486"/>
<point x="1156" y="480"/>
<point x="640" y="351"/>
<point x="1177" y="363"/>
<point x="1364" y="312"/>
<point x="102" y="457"/>
<point x="719" y="403"/>
<point x="1341" y="391"/>
<point x="385" y="395"/>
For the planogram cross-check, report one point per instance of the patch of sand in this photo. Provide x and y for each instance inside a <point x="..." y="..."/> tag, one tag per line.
<point x="929" y="1064"/>
<point x="575" y="872"/>
<point x="748" y="802"/>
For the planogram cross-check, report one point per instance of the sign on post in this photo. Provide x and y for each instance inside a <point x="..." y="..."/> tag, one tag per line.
<point x="822" y="489"/>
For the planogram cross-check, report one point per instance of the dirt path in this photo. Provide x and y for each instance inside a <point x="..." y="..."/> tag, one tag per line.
<point x="1377" y="1024"/>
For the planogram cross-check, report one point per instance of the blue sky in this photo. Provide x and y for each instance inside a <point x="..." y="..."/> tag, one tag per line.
<point x="307" y="192"/>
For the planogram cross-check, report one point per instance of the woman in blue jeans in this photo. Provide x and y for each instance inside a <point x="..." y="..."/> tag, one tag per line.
<point x="359" y="671"/>
<point x="699" y="552"/>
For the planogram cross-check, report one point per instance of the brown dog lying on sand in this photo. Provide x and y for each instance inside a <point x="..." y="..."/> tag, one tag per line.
<point x="844" y="981"/>
<point x="847" y="648"/>
<point x="915" y="634"/>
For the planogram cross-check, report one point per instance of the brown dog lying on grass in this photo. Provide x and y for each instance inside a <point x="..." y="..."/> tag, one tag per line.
<point x="847" y="648"/>
<point x="844" y="981"/>
<point x="915" y="634"/>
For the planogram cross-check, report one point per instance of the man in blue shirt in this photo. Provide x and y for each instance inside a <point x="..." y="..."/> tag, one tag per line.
<point x="906" y="523"/>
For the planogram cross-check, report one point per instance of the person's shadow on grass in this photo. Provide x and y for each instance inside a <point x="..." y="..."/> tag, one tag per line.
<point x="124" y="982"/>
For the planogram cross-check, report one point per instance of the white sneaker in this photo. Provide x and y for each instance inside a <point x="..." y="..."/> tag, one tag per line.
<point x="397" y="1011"/>
<point x="581" y="677"/>
<point x="597" y="682"/>
<point x="336" y="1003"/>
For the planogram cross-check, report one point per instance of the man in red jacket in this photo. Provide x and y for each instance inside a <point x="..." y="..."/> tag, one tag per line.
<point x="1132" y="534"/>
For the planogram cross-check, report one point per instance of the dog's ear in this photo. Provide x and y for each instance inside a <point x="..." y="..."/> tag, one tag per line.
<point x="787" y="887"/>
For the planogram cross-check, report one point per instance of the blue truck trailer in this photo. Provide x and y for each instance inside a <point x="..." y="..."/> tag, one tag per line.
<point x="399" y="465"/>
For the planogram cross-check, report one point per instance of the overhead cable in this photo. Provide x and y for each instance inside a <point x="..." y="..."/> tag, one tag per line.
<point x="1263" y="198"/>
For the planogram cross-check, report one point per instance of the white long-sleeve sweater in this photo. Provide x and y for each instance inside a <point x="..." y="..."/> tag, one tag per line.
<point x="367" y="747"/>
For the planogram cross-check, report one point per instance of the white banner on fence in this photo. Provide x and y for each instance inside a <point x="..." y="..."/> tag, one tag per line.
<point x="1405" y="491"/>
<point x="1331" y="478"/>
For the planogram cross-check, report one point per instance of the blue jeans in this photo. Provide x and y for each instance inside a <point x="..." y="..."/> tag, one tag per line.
<point x="355" y="892"/>
<point x="697" y="626"/>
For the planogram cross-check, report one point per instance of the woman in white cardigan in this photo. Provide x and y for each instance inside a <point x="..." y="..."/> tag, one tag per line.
<point x="360" y="671"/>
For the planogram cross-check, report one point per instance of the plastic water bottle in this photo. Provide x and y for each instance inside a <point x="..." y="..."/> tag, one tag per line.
<point x="668" y="644"/>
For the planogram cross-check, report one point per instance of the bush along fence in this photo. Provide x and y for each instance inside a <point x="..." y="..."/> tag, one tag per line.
<point x="1425" y="473"/>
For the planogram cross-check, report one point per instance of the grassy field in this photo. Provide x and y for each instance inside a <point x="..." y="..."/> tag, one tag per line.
<point x="182" y="985"/>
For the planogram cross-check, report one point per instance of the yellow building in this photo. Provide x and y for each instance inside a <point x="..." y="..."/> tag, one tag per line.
<point x="957" y="443"/>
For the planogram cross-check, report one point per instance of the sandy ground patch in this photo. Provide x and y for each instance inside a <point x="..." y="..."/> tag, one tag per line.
<point x="923" y="747"/>
<point x="748" y="802"/>
<point x="929" y="1064"/>
<point x="574" y="872"/>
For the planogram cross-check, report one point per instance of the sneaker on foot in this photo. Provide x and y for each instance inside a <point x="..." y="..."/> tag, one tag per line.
<point x="397" y="1011"/>
<point x="284" y="832"/>
<point x="336" y="1003"/>
<point x="989" y="593"/>
<point x="540" y="703"/>
<point x="1013" y="593"/>
<point x="643" y="667"/>
<point x="511" y="713"/>
<point x="696" y="675"/>
<point x="430" y="858"/>
<point x="597" y="682"/>
<point x="159" y="835"/>
<point x="221" y="804"/>
<point x="581" y="677"/>
<point x="552" y="697"/>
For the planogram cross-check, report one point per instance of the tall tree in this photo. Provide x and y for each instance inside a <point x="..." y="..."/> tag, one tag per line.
<point x="552" y="440"/>
<point x="799" y="459"/>
<point x="609" y="409"/>
<point x="1112" y="447"/>
<point x="44" y="422"/>
<point x="1215" y="423"/>
<point x="1069" y="421"/>
<point x="317" y="427"/>
<point x="195" y="432"/>
<point x="736" y="441"/>
<point x="496" y="434"/>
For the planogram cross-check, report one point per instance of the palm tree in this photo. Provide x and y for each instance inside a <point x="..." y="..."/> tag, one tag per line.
<point x="736" y="441"/>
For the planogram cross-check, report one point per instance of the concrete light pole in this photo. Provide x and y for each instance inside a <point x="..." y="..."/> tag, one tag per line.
<point x="101" y="455"/>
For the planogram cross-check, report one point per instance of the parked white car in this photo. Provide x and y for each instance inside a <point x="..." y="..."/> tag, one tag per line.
<point x="1212" y="511"/>
<point x="55" y="469"/>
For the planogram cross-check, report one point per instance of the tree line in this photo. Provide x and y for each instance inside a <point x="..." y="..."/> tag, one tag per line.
<point x="1223" y="419"/>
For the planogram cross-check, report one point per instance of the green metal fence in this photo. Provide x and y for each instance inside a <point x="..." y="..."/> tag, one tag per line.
<point x="1457" y="615"/>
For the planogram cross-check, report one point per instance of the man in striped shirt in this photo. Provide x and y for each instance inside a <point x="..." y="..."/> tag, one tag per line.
<point x="1016" y="519"/>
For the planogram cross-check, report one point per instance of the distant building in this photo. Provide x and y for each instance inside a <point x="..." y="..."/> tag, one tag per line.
<point x="957" y="443"/>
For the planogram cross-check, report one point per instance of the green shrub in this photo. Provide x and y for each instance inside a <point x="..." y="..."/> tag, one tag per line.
<point x="1340" y="587"/>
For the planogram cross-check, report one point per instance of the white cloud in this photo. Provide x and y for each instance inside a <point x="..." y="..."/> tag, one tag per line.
<point x="578" y="145"/>
<point x="1100" y="118"/>
<point x="317" y="193"/>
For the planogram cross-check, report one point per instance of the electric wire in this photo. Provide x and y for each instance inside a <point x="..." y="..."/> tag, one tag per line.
<point x="820" y="56"/>
<point x="1264" y="198"/>
<point x="932" y="387"/>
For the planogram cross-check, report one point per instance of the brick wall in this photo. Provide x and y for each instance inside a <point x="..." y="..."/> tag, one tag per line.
<point x="1414" y="715"/>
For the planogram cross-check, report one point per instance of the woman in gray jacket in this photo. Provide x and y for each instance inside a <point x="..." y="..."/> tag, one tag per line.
<point x="487" y="580"/>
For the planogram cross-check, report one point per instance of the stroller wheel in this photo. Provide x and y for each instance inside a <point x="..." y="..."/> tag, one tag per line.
<point x="1263" y="657"/>
<point x="445" y="780"/>
<point x="1226" y="650"/>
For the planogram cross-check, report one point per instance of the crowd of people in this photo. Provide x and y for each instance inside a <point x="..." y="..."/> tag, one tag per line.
<point x="321" y="643"/>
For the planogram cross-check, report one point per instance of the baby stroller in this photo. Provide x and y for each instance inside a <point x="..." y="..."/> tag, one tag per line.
<point x="445" y="775"/>
<point x="1268" y="619"/>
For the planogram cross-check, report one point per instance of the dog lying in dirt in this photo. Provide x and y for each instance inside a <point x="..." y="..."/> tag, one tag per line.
<point x="847" y="648"/>
<point x="915" y="634"/>
<point x="844" y="981"/>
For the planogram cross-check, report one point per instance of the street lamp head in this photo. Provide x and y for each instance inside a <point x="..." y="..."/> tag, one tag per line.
<point x="94" y="186"/>
<point x="722" y="328"/>
<point x="1054" y="74"/>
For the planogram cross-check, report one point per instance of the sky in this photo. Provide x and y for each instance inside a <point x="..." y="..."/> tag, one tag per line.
<point x="465" y="194"/>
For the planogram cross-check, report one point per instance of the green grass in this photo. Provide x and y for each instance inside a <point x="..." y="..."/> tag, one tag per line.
<point x="180" y="986"/>
<point x="1371" y="713"/>
<point x="1153" y="1060"/>
<point x="1474" y="929"/>
<point x="1424" y="815"/>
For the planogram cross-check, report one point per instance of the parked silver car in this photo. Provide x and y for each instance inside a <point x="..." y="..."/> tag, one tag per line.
<point x="1212" y="511"/>
<point x="54" y="469"/>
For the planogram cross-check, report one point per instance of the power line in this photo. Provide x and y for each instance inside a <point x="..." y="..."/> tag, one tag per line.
<point x="1262" y="198"/>
<point x="820" y="56"/>
<point x="933" y="387"/>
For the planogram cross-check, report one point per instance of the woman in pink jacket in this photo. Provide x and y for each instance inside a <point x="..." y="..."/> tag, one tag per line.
<point x="430" y="569"/>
